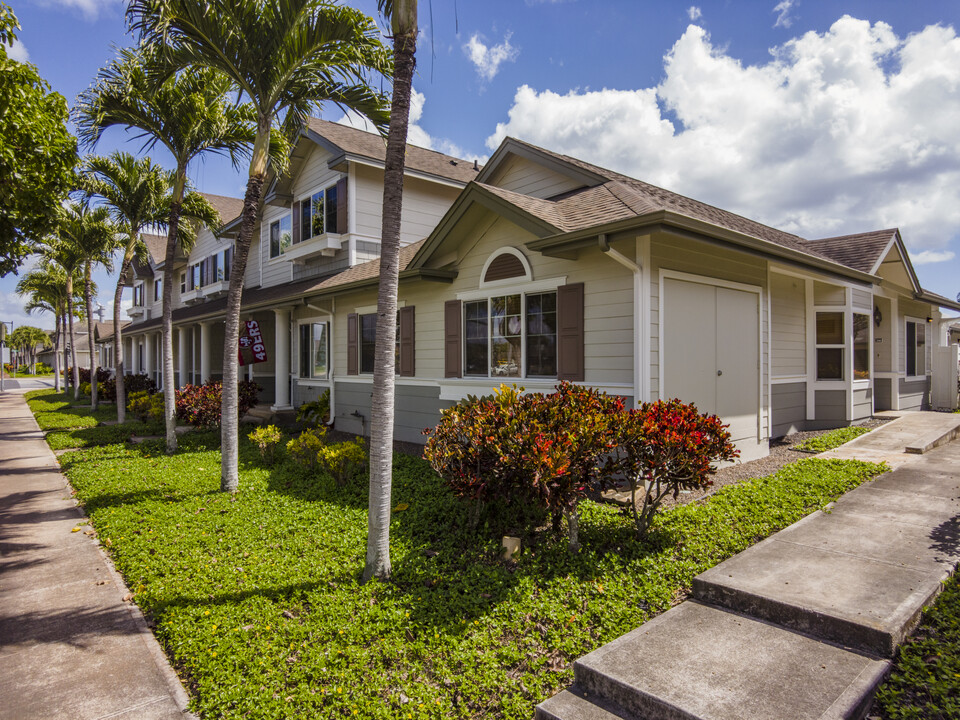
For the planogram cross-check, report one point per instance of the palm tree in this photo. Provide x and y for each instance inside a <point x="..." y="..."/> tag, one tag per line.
<point x="25" y="340"/>
<point x="403" y="19"/>
<point x="46" y="289"/>
<point x="189" y="114"/>
<point x="138" y="195"/>
<point x="285" y="57"/>
<point x="93" y="237"/>
<point x="62" y="250"/>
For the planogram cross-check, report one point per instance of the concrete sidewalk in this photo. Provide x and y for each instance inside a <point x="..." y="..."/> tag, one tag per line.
<point x="800" y="625"/>
<point x="70" y="646"/>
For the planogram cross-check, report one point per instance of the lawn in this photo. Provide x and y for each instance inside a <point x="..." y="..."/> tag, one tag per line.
<point x="257" y="601"/>
<point x="925" y="682"/>
<point x="71" y="424"/>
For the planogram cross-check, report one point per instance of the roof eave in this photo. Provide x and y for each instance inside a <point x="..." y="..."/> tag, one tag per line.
<point x="674" y="222"/>
<point x="531" y="152"/>
<point x="926" y="296"/>
<point x="337" y="163"/>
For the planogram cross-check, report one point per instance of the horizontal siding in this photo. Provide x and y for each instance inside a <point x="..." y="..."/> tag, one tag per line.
<point x="862" y="403"/>
<point x="830" y="405"/>
<point x="914" y="395"/>
<point x="881" y="393"/>
<point x="862" y="299"/>
<point x="826" y="294"/>
<point x="788" y="322"/>
<point x="416" y="408"/>
<point x="529" y="178"/>
<point x="788" y="408"/>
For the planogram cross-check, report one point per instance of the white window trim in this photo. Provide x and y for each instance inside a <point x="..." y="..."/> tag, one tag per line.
<point x="323" y="187"/>
<point x="926" y="371"/>
<point x="835" y="382"/>
<point x="513" y="287"/>
<point x="278" y="258"/>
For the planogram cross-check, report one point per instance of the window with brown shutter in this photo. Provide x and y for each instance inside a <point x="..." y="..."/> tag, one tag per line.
<point x="406" y="332"/>
<point x="452" y="319"/>
<point x="570" y="332"/>
<point x="353" y="345"/>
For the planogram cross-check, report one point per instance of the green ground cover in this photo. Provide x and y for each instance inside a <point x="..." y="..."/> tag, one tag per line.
<point x="71" y="424"/>
<point x="256" y="596"/>
<point x="925" y="682"/>
<point x="831" y="440"/>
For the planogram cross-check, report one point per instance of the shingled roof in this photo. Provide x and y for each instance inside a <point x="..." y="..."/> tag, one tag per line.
<point x="354" y="141"/>
<point x="156" y="246"/>
<point x="860" y="251"/>
<point x="229" y="208"/>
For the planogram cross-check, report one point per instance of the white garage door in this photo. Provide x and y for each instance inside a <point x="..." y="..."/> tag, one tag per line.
<point x="710" y="341"/>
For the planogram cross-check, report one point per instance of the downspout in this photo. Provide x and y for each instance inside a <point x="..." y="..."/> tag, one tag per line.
<point x="637" y="271"/>
<point x="329" y="313"/>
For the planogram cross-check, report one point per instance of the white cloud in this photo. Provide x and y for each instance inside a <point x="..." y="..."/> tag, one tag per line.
<point x="928" y="257"/>
<point x="18" y="51"/>
<point x="849" y="130"/>
<point x="783" y="9"/>
<point x="11" y="308"/>
<point x="90" y="9"/>
<point x="488" y="60"/>
<point x="694" y="13"/>
<point x="416" y="135"/>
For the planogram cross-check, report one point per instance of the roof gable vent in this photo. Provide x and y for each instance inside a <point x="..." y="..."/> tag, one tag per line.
<point x="504" y="267"/>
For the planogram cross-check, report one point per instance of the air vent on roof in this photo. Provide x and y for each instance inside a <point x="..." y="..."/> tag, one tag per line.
<point x="476" y="167"/>
<point x="453" y="162"/>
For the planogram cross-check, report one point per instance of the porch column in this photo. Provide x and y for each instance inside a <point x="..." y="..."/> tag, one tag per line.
<point x="281" y="354"/>
<point x="895" y="350"/>
<point x="182" y="356"/>
<point x="135" y="354"/>
<point x="149" y="353"/>
<point x="204" y="352"/>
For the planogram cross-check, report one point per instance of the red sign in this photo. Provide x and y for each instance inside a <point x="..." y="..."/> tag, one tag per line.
<point x="252" y="350"/>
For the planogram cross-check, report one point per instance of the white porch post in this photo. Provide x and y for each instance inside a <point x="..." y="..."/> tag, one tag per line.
<point x="149" y="354"/>
<point x="135" y="355"/>
<point x="182" y="356"/>
<point x="204" y="352"/>
<point x="281" y="353"/>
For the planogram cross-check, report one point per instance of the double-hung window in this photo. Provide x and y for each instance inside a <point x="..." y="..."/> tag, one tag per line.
<point x="861" y="346"/>
<point x="157" y="289"/>
<point x="195" y="276"/>
<point x="183" y="283"/>
<point x="219" y="266"/>
<point x="280" y="236"/>
<point x="830" y="345"/>
<point x="138" y="295"/>
<point x="916" y="347"/>
<point x="511" y="336"/>
<point x="314" y="349"/>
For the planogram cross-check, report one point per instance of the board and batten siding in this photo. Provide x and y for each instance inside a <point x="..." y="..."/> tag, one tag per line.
<point x="529" y="178"/>
<point x="788" y="326"/>
<point x="669" y="252"/>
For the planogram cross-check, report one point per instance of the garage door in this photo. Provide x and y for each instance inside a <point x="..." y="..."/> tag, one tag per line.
<point x="711" y="351"/>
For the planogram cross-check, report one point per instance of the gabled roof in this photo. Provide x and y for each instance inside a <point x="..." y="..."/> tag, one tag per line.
<point x="156" y="247"/>
<point x="861" y="251"/>
<point x="229" y="208"/>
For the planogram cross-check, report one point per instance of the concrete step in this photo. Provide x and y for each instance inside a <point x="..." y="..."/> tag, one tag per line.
<point x="935" y="438"/>
<point x="859" y="574"/>
<point x="700" y="662"/>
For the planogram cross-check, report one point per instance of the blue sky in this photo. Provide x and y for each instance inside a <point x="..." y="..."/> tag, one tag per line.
<point x="820" y="118"/>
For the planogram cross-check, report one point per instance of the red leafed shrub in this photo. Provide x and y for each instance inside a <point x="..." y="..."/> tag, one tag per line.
<point x="527" y="448"/>
<point x="103" y="374"/>
<point x="132" y="383"/>
<point x="665" y="447"/>
<point x="199" y="405"/>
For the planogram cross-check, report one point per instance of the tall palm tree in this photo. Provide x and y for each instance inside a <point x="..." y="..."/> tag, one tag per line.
<point x="138" y="194"/>
<point x="46" y="290"/>
<point x="62" y="250"/>
<point x="189" y="113"/>
<point x="93" y="237"/>
<point x="402" y="15"/>
<point x="286" y="57"/>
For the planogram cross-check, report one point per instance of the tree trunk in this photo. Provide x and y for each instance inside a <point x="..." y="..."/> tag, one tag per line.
<point x="73" y="340"/>
<point x="169" y="389"/>
<point x="56" y="353"/>
<point x="66" y="351"/>
<point x="229" y="420"/>
<point x="118" y="340"/>
<point x="88" y="296"/>
<point x="382" y="410"/>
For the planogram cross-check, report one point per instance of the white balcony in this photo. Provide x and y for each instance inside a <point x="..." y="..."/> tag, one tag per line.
<point x="136" y="311"/>
<point x="217" y="289"/>
<point x="325" y="244"/>
<point x="192" y="297"/>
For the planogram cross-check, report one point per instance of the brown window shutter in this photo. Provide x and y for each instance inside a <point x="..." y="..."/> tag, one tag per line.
<point x="342" y="205"/>
<point x="295" y="223"/>
<point x="406" y="334"/>
<point x="570" y="332"/>
<point x="452" y="325"/>
<point x="353" y="345"/>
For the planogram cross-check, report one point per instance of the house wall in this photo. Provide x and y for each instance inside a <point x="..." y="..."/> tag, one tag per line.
<point x="862" y="403"/>
<point x="914" y="395"/>
<point x="827" y="294"/>
<point x="831" y="409"/>
<point x="789" y="327"/>
<point x="788" y="408"/>
<point x="529" y="178"/>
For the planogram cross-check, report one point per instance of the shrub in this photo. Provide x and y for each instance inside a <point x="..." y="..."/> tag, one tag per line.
<point x="139" y="404"/>
<point x="304" y="447"/>
<point x="343" y="460"/>
<point x="317" y="411"/>
<point x="266" y="438"/>
<point x="199" y="405"/>
<point x="85" y="388"/>
<point x="664" y="447"/>
<point x="132" y="384"/>
<point x="521" y="448"/>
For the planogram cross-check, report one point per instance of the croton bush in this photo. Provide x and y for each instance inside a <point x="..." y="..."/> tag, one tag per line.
<point x="199" y="405"/>
<point x="132" y="383"/>
<point x="554" y="449"/>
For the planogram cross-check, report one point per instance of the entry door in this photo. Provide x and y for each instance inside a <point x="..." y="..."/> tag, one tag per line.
<point x="710" y="337"/>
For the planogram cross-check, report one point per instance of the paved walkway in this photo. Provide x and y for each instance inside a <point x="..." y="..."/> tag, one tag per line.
<point x="70" y="647"/>
<point x="802" y="624"/>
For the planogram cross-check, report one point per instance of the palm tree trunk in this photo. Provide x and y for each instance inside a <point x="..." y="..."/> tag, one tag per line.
<point x="118" y="342"/>
<point x="66" y="350"/>
<point x="169" y="391"/>
<point x="56" y="353"/>
<point x="88" y="297"/>
<point x="73" y="340"/>
<point x="382" y="411"/>
<point x="229" y="405"/>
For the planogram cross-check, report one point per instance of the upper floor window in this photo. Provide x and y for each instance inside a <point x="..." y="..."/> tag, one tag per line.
<point x="138" y="295"/>
<point x="323" y="212"/>
<point x="218" y="266"/>
<point x="916" y="347"/>
<point x="157" y="289"/>
<point x="183" y="283"/>
<point x="195" y="276"/>
<point x="280" y="236"/>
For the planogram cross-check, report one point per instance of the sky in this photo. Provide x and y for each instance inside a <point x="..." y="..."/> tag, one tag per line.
<point x="818" y="118"/>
